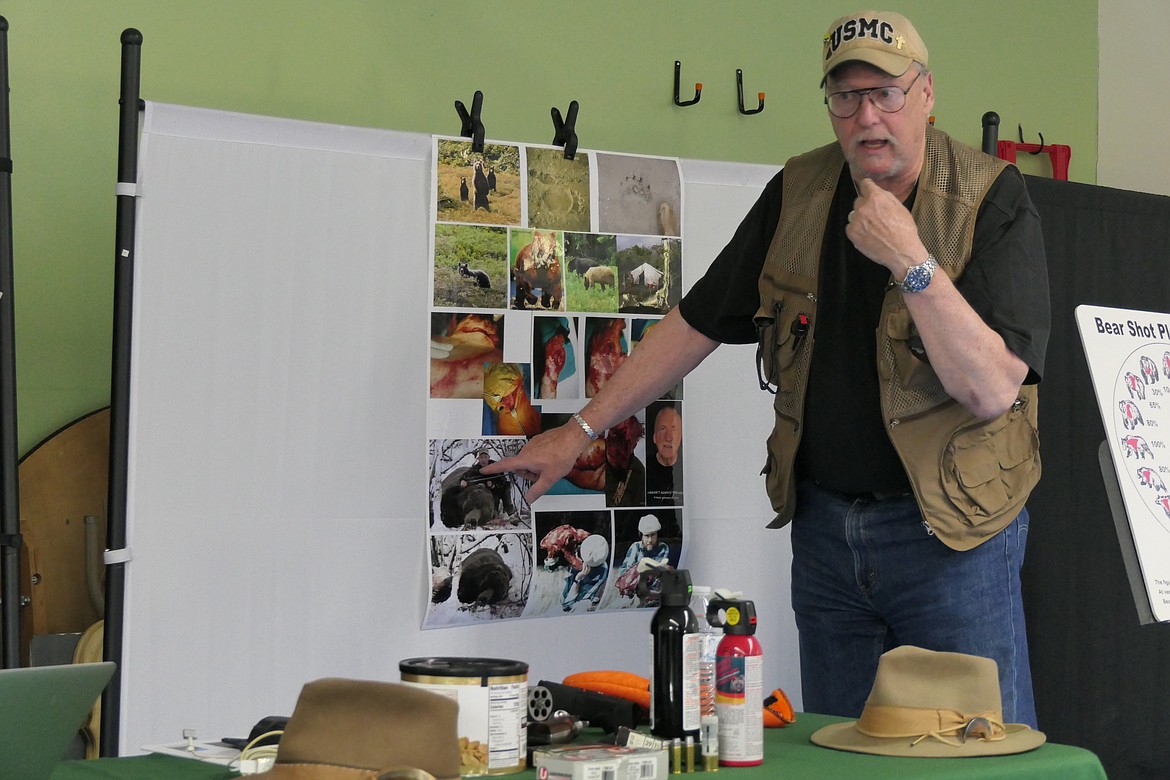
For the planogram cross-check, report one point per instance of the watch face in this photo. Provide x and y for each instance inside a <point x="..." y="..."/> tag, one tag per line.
<point x="918" y="277"/>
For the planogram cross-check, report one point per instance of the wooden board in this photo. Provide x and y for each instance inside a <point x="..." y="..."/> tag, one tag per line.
<point x="62" y="480"/>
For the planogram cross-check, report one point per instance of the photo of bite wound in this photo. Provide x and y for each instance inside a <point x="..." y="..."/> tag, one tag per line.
<point x="554" y="358"/>
<point x="461" y="343"/>
<point x="605" y="350"/>
<point x="508" y="409"/>
<point x="587" y="475"/>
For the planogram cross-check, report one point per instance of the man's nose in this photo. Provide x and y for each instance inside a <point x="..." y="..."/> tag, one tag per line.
<point x="867" y="113"/>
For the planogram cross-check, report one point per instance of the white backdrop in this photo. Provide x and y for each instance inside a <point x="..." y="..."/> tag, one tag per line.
<point x="277" y="481"/>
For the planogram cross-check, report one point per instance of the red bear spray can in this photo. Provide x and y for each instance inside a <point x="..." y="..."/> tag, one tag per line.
<point x="739" y="688"/>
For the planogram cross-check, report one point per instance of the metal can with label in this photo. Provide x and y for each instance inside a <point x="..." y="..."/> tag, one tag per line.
<point x="492" y="694"/>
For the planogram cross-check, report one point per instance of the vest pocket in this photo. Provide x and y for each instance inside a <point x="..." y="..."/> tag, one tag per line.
<point x="779" y="471"/>
<point x="910" y="367"/>
<point x="987" y="467"/>
<point x="781" y="330"/>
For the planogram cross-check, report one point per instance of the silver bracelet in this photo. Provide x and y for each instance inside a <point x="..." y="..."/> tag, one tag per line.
<point x="592" y="434"/>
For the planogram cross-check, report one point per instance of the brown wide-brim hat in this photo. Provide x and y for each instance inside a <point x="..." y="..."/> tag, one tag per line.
<point x="364" y="730"/>
<point x="928" y="704"/>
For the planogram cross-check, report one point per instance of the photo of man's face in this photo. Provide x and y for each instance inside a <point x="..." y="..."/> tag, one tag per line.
<point x="668" y="435"/>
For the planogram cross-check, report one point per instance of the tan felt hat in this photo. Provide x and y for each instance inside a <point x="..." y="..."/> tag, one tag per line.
<point x="929" y="704"/>
<point x="883" y="39"/>
<point x="362" y="730"/>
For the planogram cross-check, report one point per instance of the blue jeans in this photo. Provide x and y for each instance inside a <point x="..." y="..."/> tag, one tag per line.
<point x="867" y="577"/>
<point x="589" y="587"/>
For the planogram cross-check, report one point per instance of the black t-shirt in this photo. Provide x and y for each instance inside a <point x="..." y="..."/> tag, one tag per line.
<point x="844" y="445"/>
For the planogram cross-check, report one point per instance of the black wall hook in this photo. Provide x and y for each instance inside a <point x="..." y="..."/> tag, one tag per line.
<point x="698" y="87"/>
<point x="1020" y="130"/>
<point x="472" y="126"/>
<point x="739" y="85"/>
<point x="565" y="130"/>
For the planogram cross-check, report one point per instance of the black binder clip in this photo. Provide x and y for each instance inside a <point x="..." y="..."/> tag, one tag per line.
<point x="698" y="88"/>
<point x="472" y="126"/>
<point x="565" y="130"/>
<point x="739" y="85"/>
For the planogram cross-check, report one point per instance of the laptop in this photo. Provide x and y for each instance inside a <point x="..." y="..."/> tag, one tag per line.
<point x="41" y="709"/>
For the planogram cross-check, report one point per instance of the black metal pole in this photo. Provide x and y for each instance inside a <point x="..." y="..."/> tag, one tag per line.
<point x="120" y="382"/>
<point x="991" y="133"/>
<point x="10" y="538"/>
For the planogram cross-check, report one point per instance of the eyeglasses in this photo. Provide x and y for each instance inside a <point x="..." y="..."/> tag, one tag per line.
<point x="889" y="99"/>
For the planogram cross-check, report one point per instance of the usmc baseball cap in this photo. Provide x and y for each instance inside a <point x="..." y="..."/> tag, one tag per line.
<point x="883" y="39"/>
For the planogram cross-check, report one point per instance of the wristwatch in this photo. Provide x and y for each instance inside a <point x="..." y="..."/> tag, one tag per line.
<point x="919" y="276"/>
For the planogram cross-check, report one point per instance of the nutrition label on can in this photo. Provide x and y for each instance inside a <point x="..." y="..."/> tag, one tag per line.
<point x="507" y="743"/>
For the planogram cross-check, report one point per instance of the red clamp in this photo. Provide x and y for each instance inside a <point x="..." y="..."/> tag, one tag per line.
<point x="1058" y="153"/>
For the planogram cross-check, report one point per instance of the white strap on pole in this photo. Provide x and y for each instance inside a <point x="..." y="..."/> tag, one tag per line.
<point x="110" y="557"/>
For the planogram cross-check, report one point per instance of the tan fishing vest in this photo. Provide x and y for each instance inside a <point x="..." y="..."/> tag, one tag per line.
<point x="971" y="477"/>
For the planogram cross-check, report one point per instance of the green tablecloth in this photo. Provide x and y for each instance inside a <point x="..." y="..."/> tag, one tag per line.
<point x="788" y="755"/>
<point x="152" y="767"/>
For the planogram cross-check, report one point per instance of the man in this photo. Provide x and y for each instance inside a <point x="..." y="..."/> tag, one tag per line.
<point x="664" y="483"/>
<point x="588" y="581"/>
<point x="896" y="284"/>
<point x="667" y="436"/>
<point x="499" y="487"/>
<point x="638" y="578"/>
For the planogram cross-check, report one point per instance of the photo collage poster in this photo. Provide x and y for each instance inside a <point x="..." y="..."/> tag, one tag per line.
<point x="546" y="274"/>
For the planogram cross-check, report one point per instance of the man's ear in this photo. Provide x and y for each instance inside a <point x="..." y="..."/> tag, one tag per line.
<point x="928" y="91"/>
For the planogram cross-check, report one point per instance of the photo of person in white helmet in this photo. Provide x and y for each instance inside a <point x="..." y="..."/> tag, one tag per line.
<point x="637" y="578"/>
<point x="588" y="582"/>
<point x="573" y="562"/>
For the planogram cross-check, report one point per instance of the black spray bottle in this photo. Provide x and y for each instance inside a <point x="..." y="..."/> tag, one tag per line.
<point x="674" y="651"/>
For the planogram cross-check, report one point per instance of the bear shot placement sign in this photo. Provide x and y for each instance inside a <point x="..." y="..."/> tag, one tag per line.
<point x="1129" y="361"/>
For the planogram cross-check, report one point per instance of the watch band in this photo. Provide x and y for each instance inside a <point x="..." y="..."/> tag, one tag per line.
<point x="592" y="434"/>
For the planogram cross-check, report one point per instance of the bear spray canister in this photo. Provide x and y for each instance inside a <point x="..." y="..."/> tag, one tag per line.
<point x="739" y="687"/>
<point x="674" y="656"/>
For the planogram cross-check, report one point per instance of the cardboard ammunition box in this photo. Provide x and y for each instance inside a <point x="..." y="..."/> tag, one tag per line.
<point x="599" y="762"/>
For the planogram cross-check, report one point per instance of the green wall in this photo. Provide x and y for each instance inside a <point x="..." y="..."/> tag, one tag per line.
<point x="401" y="65"/>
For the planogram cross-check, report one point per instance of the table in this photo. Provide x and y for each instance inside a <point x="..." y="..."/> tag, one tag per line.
<point x="152" y="767"/>
<point x="788" y="755"/>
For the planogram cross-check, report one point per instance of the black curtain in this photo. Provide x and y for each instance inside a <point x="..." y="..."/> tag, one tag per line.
<point x="1102" y="679"/>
